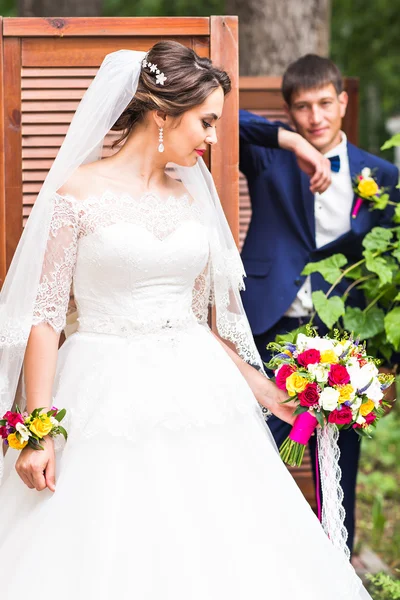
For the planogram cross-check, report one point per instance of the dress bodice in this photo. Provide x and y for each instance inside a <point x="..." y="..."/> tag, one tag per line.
<point x="136" y="261"/>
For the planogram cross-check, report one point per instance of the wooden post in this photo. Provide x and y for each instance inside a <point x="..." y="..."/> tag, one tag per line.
<point x="225" y="154"/>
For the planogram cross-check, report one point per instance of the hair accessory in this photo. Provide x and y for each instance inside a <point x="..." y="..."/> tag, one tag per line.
<point x="160" y="77"/>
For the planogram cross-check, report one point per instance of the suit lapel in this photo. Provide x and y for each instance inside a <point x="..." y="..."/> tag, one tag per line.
<point x="356" y="163"/>
<point x="308" y="210"/>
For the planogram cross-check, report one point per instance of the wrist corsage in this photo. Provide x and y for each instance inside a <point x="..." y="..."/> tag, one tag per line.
<point x="23" y="429"/>
<point x="366" y="188"/>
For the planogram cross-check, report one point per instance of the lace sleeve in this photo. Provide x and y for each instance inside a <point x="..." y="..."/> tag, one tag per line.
<point x="53" y="295"/>
<point x="201" y="295"/>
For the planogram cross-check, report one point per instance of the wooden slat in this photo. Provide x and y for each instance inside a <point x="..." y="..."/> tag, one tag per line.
<point x="105" y="27"/>
<point x="57" y="72"/>
<point x="45" y="83"/>
<point x="225" y="154"/>
<point x="49" y="106"/>
<point x="52" y="94"/>
<point x="85" y="51"/>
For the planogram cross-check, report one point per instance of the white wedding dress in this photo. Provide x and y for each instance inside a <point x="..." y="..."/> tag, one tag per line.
<point x="170" y="486"/>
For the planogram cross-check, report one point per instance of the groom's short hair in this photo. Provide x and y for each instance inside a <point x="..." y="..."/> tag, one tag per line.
<point x="310" y="71"/>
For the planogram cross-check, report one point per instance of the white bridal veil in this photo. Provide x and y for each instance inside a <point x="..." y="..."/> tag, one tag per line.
<point x="108" y="95"/>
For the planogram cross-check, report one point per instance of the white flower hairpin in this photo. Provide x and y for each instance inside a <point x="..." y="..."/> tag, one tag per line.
<point x="160" y="77"/>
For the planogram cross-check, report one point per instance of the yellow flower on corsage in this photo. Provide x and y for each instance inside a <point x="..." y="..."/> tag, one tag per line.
<point x="295" y="384"/>
<point x="14" y="442"/>
<point x="41" y="426"/>
<point x="366" y="188"/>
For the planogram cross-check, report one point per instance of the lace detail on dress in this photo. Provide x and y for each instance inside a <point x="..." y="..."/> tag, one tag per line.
<point x="202" y="296"/>
<point x="52" y="299"/>
<point x="159" y="217"/>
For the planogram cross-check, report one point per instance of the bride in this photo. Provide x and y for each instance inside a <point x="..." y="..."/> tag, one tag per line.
<point x="170" y="486"/>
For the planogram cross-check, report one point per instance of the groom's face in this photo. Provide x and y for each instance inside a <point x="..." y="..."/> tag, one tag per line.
<point x="317" y="115"/>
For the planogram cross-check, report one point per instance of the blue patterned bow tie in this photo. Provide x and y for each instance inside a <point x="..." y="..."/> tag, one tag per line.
<point x="335" y="163"/>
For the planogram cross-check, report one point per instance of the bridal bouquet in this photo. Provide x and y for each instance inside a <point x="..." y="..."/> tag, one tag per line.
<point x="332" y="380"/>
<point x="22" y="429"/>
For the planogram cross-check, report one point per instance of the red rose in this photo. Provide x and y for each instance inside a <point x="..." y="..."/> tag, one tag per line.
<point x="310" y="395"/>
<point x="309" y="357"/>
<point x="338" y="375"/>
<point x="13" y="418"/>
<point x="282" y="374"/>
<point x="370" y="418"/>
<point x="343" y="416"/>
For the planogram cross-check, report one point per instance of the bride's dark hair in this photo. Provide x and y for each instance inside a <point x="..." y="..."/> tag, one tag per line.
<point x="190" y="79"/>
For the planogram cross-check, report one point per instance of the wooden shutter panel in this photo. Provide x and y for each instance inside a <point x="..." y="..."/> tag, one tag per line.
<point x="47" y="64"/>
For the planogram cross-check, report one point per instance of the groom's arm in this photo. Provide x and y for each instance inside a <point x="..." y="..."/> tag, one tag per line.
<point x="257" y="131"/>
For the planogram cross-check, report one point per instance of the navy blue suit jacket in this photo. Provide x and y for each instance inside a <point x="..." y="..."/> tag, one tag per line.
<point x="281" y="236"/>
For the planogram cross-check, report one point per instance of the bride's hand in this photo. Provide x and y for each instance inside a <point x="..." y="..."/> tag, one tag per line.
<point x="37" y="467"/>
<point x="274" y="400"/>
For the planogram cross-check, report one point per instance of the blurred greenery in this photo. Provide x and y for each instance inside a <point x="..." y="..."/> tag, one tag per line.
<point x="378" y="490"/>
<point x="365" y="43"/>
<point x="165" y="8"/>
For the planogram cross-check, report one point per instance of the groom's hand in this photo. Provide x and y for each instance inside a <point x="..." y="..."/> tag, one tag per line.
<point x="310" y="160"/>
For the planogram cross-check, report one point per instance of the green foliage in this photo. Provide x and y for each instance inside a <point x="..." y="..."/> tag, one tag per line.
<point x="329" y="309"/>
<point x="329" y="267"/>
<point x="394" y="141"/>
<point x="365" y="43"/>
<point x="162" y="8"/>
<point x="384" y="587"/>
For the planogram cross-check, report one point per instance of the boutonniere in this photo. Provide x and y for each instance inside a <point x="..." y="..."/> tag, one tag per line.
<point x="366" y="188"/>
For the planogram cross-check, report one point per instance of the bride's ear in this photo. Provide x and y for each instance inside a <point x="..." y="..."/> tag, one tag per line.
<point x="160" y="118"/>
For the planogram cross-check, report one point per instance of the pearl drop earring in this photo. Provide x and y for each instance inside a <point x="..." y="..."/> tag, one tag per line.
<point x="161" y="139"/>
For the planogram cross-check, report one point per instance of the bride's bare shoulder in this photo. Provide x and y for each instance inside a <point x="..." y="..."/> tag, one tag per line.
<point x="82" y="181"/>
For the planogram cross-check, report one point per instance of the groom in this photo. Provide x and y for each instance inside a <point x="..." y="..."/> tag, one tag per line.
<point x="295" y="221"/>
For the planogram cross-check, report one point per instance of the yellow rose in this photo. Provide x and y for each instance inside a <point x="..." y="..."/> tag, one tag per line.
<point x="345" y="392"/>
<point x="367" y="407"/>
<point x="295" y="384"/>
<point x="14" y="442"/>
<point x="328" y="356"/>
<point x="41" y="426"/>
<point x="368" y="187"/>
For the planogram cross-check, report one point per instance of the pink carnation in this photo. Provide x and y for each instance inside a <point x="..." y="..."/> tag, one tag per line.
<point x="343" y="416"/>
<point x="13" y="418"/>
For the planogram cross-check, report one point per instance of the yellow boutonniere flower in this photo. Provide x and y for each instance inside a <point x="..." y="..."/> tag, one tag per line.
<point x="15" y="443"/>
<point x="295" y="384"/>
<point x="367" y="407"/>
<point x="329" y="356"/>
<point x="41" y="426"/>
<point x="368" y="187"/>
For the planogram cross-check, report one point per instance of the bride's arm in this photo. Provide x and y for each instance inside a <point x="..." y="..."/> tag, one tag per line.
<point x="264" y="390"/>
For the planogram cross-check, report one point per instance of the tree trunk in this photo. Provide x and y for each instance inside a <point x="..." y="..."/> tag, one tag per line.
<point x="274" y="33"/>
<point x="63" y="8"/>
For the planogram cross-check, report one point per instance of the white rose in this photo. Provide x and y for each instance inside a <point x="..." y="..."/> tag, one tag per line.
<point x="374" y="392"/>
<point x="320" y="372"/>
<point x="322" y="344"/>
<point x="329" y="398"/>
<point x="23" y="431"/>
<point x="338" y="349"/>
<point x="54" y="421"/>
<point x="366" y="172"/>
<point x="360" y="420"/>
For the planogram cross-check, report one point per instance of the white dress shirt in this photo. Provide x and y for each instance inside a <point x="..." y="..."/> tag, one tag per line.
<point x="332" y="219"/>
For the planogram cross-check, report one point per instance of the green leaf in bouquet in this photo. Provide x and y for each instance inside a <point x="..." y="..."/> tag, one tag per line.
<point x="3" y="423"/>
<point x="329" y="309"/>
<point x="364" y="325"/>
<point x="300" y="410"/>
<point x="35" y="444"/>
<point x="291" y="336"/>
<point x="378" y="265"/>
<point x="320" y="417"/>
<point x="328" y="267"/>
<point x="392" y="327"/>
<point x="393" y="141"/>
<point x="378" y="239"/>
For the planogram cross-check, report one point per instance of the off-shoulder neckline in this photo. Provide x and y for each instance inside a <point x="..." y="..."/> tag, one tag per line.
<point x="183" y="198"/>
